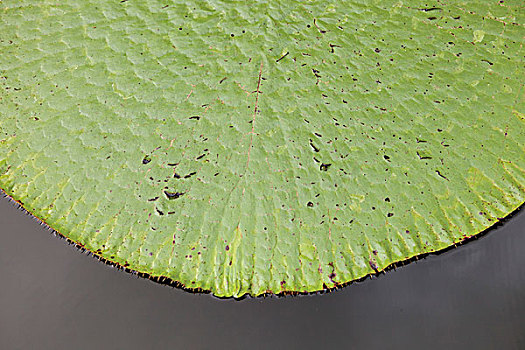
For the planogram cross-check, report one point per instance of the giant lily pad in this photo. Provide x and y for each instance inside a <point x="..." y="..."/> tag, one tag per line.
<point x="250" y="147"/>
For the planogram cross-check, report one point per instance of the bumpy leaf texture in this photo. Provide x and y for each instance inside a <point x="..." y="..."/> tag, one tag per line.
<point x="250" y="147"/>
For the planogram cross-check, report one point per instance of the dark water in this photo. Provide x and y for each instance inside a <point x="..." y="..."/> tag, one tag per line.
<point x="53" y="297"/>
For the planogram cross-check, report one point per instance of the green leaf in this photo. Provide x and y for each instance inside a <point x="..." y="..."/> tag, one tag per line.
<point x="263" y="146"/>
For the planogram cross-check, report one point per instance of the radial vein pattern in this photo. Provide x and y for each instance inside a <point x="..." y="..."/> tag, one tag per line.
<point x="250" y="147"/>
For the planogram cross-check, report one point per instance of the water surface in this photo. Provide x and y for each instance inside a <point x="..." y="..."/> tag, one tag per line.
<point x="54" y="297"/>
